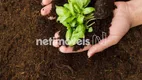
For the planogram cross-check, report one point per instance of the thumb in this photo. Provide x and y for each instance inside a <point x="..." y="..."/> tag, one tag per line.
<point x="103" y="44"/>
<point x="120" y="26"/>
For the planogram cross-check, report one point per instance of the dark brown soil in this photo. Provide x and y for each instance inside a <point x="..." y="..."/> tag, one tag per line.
<point x="20" y="59"/>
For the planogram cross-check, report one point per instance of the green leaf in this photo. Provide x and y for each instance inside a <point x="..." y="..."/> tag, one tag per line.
<point x="80" y="28"/>
<point x="70" y="19"/>
<point x="77" y="2"/>
<point x="80" y="19"/>
<point x="73" y="41"/>
<point x="66" y="25"/>
<point x="86" y="2"/>
<point x="79" y="32"/>
<point x="76" y="35"/>
<point x="77" y="9"/>
<point x="73" y="23"/>
<point x="88" y="10"/>
<point x="90" y="29"/>
<point x="61" y="11"/>
<point x="66" y="6"/>
<point x="62" y="18"/>
<point x="68" y="34"/>
<point x="71" y="9"/>
<point x="80" y="3"/>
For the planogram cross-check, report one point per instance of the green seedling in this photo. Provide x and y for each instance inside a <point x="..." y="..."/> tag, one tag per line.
<point x="76" y="16"/>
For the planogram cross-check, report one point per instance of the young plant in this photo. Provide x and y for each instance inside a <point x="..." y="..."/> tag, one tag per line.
<point x="75" y="16"/>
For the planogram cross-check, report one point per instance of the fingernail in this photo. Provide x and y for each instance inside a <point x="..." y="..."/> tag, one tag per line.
<point x="42" y="3"/>
<point x="90" y="53"/>
<point x="89" y="56"/>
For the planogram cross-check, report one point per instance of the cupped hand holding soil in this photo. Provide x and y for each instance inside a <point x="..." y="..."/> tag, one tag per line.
<point x="125" y="17"/>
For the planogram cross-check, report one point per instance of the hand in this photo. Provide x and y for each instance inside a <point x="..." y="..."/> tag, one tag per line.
<point x="120" y="25"/>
